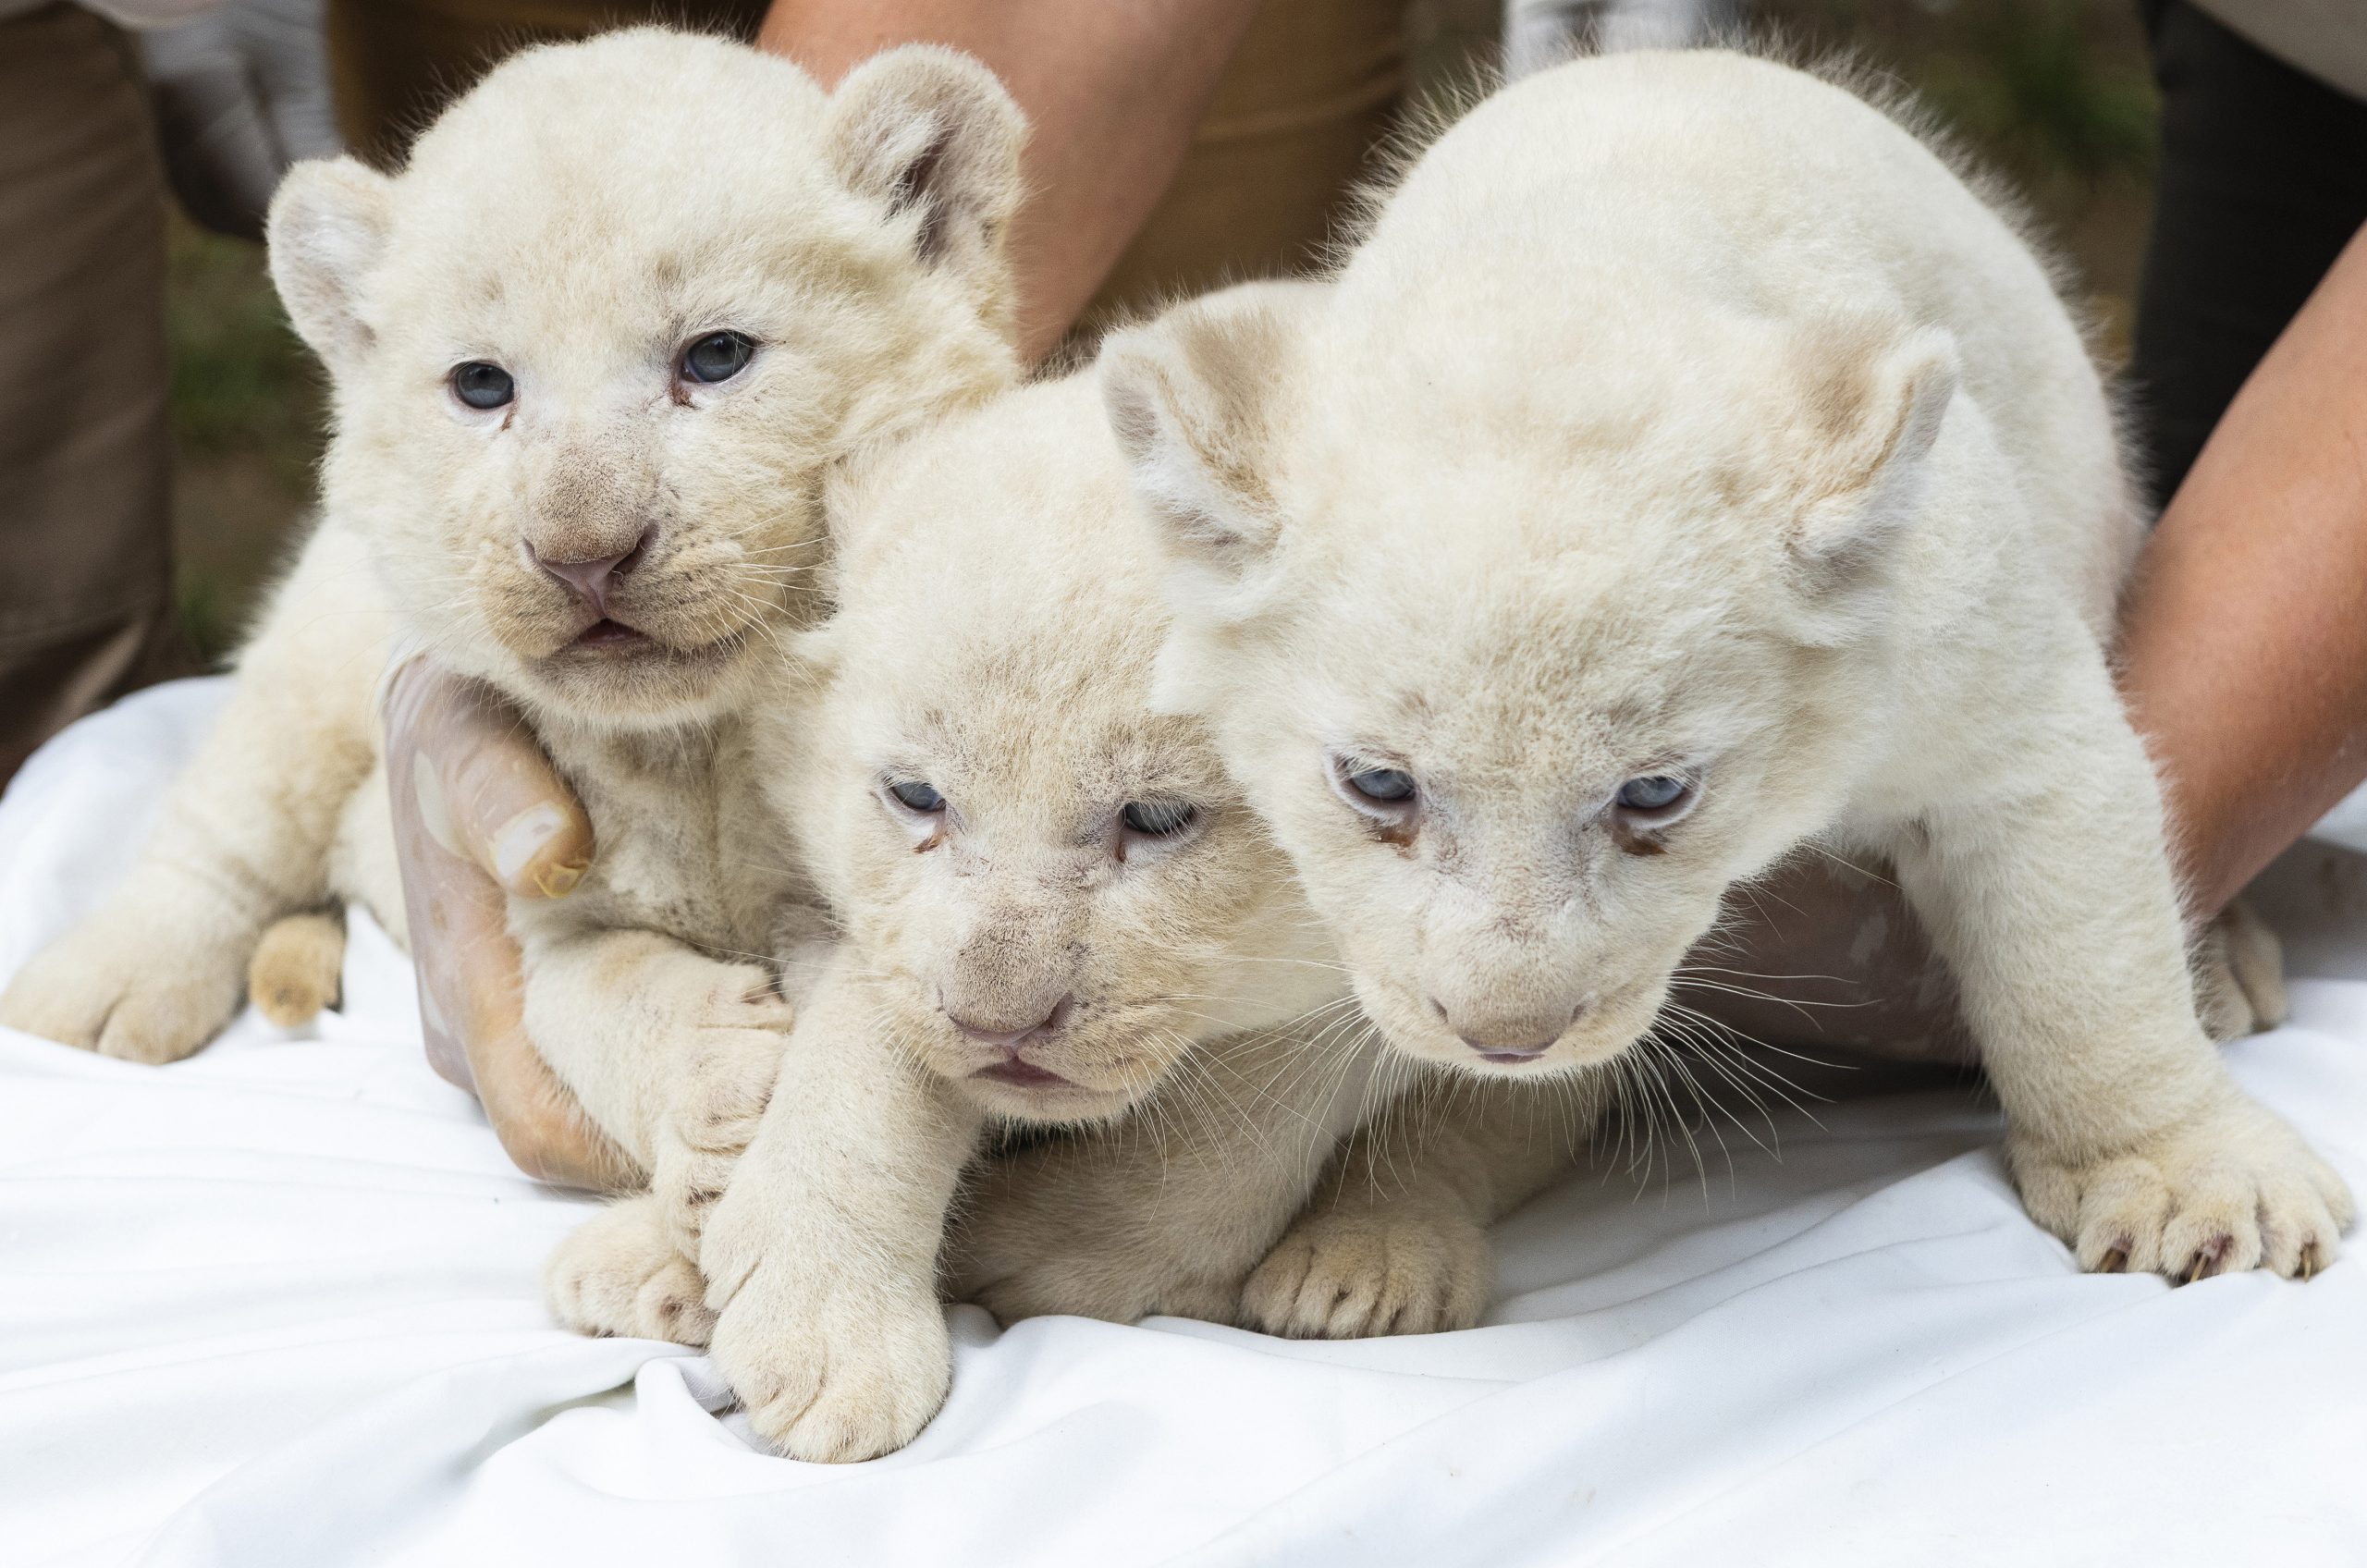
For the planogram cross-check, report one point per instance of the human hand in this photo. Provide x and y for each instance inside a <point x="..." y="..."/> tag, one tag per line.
<point x="480" y="815"/>
<point x="1827" y="954"/>
<point x="241" y="92"/>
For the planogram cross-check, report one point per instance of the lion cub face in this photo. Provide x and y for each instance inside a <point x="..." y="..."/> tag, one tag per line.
<point x="595" y="345"/>
<point x="1053" y="884"/>
<point x="1527" y="647"/>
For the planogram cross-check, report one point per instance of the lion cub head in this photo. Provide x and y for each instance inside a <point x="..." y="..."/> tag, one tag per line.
<point x="1055" y="887"/>
<point x="595" y="345"/>
<point x="1528" y="632"/>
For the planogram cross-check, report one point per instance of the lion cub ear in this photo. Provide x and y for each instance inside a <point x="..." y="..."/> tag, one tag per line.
<point x="929" y="131"/>
<point x="1874" y="398"/>
<point x="326" y="230"/>
<point x="1192" y="398"/>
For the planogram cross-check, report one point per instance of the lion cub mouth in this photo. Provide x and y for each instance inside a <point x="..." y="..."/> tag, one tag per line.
<point x="608" y="641"/>
<point x="1022" y="1075"/>
<point x="605" y="633"/>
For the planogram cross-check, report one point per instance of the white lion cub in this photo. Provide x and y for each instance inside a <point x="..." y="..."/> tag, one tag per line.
<point x="595" y="351"/>
<point x="1689" y="467"/>
<point x="1049" y="898"/>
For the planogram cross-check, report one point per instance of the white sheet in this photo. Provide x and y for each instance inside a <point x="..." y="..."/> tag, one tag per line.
<point x="277" y="1305"/>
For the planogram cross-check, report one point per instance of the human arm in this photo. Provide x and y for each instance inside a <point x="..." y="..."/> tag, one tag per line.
<point x="2243" y="653"/>
<point x="1112" y="95"/>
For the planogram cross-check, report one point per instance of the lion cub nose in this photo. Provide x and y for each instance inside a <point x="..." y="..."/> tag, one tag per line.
<point x="1509" y="1040"/>
<point x="995" y="1033"/>
<point x="591" y="580"/>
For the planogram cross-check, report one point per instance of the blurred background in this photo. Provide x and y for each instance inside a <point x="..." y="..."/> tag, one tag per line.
<point x="2056" y="93"/>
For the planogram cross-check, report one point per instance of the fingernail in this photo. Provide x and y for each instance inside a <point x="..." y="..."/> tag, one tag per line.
<point x="520" y="840"/>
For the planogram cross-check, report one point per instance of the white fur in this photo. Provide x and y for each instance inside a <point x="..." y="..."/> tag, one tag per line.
<point x="992" y="636"/>
<point x="1682" y="415"/>
<point x="583" y="215"/>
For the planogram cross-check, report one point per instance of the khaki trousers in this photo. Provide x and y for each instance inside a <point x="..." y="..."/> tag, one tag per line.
<point x="85" y="458"/>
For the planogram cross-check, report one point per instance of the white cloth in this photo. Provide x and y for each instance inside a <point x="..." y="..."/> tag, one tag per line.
<point x="277" y="1305"/>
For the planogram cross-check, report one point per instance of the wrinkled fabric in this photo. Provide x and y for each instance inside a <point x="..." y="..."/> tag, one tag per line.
<point x="277" y="1305"/>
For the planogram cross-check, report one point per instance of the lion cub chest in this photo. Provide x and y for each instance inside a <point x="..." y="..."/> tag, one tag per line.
<point x="685" y="844"/>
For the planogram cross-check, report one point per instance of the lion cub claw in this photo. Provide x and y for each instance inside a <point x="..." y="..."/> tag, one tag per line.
<point x="2232" y="1190"/>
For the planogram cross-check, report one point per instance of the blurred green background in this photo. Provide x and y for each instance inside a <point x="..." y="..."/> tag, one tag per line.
<point x="2056" y="93"/>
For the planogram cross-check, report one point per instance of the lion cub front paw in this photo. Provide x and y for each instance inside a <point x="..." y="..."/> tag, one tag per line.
<point x="715" y="1106"/>
<point x="2230" y="1190"/>
<point x="127" y="986"/>
<point x="616" y="1276"/>
<point x="1362" y="1266"/>
<point x="830" y="1371"/>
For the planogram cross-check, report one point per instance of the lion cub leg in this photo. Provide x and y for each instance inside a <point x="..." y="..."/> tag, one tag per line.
<point x="243" y="838"/>
<point x="2050" y="894"/>
<point x="821" y="1258"/>
<point x="670" y="1052"/>
<point x="1395" y="1241"/>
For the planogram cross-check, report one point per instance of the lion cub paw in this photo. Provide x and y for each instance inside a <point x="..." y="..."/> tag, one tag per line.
<point x="830" y="1371"/>
<point x="2235" y="1188"/>
<point x="715" y="1104"/>
<point x="298" y="967"/>
<point x="616" y="1276"/>
<point x="2238" y="971"/>
<point x="1363" y="1265"/>
<point x="130" y="986"/>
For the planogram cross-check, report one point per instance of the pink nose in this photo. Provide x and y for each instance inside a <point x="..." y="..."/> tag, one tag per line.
<point x="590" y="581"/>
<point x="1012" y="1039"/>
<point x="1505" y="1041"/>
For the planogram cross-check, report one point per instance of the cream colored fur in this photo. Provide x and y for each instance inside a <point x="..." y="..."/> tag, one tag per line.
<point x="1683" y="417"/>
<point x="581" y="217"/>
<point x="993" y="638"/>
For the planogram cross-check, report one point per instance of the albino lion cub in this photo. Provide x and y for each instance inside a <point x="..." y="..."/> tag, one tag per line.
<point x="1050" y="896"/>
<point x="1687" y="468"/>
<point x="595" y="351"/>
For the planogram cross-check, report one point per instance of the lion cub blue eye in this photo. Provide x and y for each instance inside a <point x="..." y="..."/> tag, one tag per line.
<point x="1158" y="819"/>
<point x="1388" y="784"/>
<point x="915" y="794"/>
<point x="482" y="385"/>
<point x="1657" y="793"/>
<point x="719" y="356"/>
